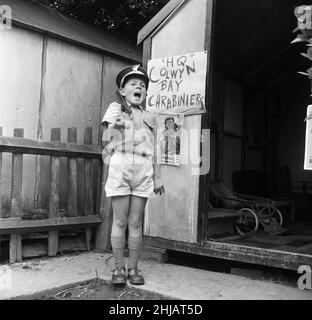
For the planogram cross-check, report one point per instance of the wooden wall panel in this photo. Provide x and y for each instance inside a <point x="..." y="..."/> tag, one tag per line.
<point x="48" y="83"/>
<point x="20" y="65"/>
<point x="71" y="98"/>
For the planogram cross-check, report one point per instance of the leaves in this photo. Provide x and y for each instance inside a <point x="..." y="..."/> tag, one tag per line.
<point x="301" y="37"/>
<point x="308" y="55"/>
<point x="120" y="16"/>
<point x="304" y="18"/>
<point x="308" y="73"/>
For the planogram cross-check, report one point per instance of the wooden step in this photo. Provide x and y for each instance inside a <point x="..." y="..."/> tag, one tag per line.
<point x="154" y="253"/>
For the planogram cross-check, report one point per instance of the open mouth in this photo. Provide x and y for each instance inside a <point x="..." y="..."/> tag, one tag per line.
<point x="137" y="94"/>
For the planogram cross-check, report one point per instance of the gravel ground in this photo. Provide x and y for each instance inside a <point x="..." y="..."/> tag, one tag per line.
<point x="98" y="289"/>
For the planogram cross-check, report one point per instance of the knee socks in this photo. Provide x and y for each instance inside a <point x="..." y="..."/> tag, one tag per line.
<point x="134" y="245"/>
<point x="118" y="246"/>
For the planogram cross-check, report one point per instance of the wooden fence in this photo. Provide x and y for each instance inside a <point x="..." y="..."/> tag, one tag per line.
<point x="95" y="213"/>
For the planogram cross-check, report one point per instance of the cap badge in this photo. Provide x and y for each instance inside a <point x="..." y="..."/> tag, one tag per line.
<point x="136" y="67"/>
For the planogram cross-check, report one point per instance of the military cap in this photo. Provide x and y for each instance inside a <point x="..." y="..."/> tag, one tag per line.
<point x="136" y="70"/>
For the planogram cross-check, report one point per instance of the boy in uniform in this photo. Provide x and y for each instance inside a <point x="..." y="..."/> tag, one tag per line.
<point x="134" y="169"/>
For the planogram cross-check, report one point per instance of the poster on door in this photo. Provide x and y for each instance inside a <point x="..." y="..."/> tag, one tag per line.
<point x="308" y="140"/>
<point x="170" y="128"/>
<point x="177" y="84"/>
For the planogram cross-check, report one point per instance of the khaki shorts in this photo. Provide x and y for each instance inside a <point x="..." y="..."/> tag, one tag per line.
<point x="130" y="174"/>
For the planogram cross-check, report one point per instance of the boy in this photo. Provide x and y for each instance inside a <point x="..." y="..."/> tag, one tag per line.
<point x="134" y="172"/>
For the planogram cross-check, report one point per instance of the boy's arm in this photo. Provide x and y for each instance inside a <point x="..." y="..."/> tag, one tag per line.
<point x="110" y="131"/>
<point x="113" y="118"/>
<point x="106" y="138"/>
<point x="118" y="123"/>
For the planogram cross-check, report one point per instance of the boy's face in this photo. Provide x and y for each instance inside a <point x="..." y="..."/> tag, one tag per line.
<point x="169" y="124"/>
<point x="134" y="91"/>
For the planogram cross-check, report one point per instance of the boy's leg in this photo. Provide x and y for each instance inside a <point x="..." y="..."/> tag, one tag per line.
<point x="137" y="206"/>
<point x="120" y="218"/>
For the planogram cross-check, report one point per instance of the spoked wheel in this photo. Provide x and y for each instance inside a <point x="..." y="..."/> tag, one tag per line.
<point x="247" y="222"/>
<point x="270" y="213"/>
<point x="271" y="220"/>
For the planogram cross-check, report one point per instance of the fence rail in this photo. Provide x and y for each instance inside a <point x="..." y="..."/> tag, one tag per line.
<point x="57" y="149"/>
<point x="92" y="213"/>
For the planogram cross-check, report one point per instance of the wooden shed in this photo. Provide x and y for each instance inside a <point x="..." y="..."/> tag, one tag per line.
<point x="255" y="109"/>
<point x="58" y="77"/>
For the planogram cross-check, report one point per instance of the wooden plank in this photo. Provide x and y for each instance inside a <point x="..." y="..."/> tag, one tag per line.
<point x="72" y="177"/>
<point x="203" y="184"/>
<point x="158" y="19"/>
<point x="0" y="186"/>
<point x="102" y="238"/>
<point x="152" y="253"/>
<point x="97" y="184"/>
<point x="13" y="248"/>
<point x="54" y="200"/>
<point x="203" y="201"/>
<point x="57" y="149"/>
<point x="0" y="180"/>
<point x="97" y="173"/>
<point x="16" y="200"/>
<point x="147" y="51"/>
<point x="45" y="21"/>
<point x="38" y="199"/>
<point x="88" y="235"/>
<point x="38" y="188"/>
<point x="17" y="225"/>
<point x="88" y="172"/>
<point x="17" y="173"/>
<point x="234" y="252"/>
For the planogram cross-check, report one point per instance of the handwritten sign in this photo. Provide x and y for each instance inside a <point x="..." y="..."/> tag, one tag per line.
<point x="177" y="84"/>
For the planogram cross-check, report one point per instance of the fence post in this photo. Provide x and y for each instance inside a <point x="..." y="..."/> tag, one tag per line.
<point x="88" y="172"/>
<point x="102" y="239"/>
<point x="54" y="200"/>
<point x="72" y="177"/>
<point x="16" y="200"/>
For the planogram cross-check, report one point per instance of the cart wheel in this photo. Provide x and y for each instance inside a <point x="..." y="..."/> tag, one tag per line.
<point x="247" y="222"/>
<point x="268" y="213"/>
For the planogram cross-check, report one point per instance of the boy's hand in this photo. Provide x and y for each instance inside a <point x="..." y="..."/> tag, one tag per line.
<point x="159" y="188"/>
<point x="106" y="155"/>
<point x="120" y="121"/>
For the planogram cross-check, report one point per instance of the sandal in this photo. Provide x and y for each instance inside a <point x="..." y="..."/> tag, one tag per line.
<point x="135" y="276"/>
<point x="119" y="275"/>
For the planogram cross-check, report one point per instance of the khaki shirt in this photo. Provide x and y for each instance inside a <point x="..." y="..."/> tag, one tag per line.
<point x="137" y="136"/>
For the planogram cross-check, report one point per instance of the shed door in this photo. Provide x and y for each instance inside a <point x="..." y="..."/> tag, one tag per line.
<point x="174" y="216"/>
